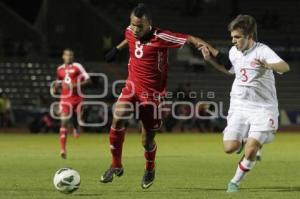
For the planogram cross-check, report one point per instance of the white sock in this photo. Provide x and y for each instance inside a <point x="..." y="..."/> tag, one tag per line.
<point x="243" y="167"/>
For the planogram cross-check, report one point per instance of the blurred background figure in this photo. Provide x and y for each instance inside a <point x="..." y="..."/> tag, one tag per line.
<point x="71" y="77"/>
<point x="6" y="113"/>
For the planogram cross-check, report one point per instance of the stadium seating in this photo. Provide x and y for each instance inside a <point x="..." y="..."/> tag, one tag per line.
<point x="26" y="82"/>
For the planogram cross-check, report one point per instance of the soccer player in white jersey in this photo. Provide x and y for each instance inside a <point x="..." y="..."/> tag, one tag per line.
<point x="253" y="112"/>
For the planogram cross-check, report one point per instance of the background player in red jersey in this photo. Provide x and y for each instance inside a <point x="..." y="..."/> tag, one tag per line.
<point x="145" y="85"/>
<point x="69" y="76"/>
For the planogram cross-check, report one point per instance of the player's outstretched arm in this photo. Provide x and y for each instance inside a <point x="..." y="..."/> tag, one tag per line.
<point x="199" y="43"/>
<point x="122" y="45"/>
<point x="211" y="55"/>
<point x="220" y="61"/>
<point x="280" y="67"/>
<point x="112" y="54"/>
<point x="83" y="83"/>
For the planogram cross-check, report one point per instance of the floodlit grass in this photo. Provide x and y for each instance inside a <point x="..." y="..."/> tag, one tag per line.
<point x="188" y="166"/>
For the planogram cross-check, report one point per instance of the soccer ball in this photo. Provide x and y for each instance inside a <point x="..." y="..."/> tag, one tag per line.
<point x="66" y="180"/>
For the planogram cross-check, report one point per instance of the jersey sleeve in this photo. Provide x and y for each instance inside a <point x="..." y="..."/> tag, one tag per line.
<point x="231" y="57"/>
<point x="83" y="73"/>
<point x="270" y="56"/>
<point x="231" y="70"/>
<point x="127" y="33"/>
<point x="58" y="76"/>
<point x="170" y="39"/>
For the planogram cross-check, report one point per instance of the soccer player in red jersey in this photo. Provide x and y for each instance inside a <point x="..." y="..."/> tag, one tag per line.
<point x="145" y="85"/>
<point x="69" y="76"/>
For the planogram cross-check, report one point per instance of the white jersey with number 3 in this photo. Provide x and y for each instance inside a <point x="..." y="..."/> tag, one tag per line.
<point x="254" y="85"/>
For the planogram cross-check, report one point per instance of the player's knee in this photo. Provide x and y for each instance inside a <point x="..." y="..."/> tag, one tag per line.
<point x="117" y="123"/>
<point x="64" y="122"/>
<point x="147" y="144"/>
<point x="228" y="151"/>
<point x="230" y="148"/>
<point x="144" y="143"/>
<point x="148" y="147"/>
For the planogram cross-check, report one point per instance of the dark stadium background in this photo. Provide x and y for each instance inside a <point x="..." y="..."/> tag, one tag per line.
<point x="33" y="34"/>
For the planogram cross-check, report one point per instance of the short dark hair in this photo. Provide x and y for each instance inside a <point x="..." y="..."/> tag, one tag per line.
<point x="141" y="10"/>
<point x="246" y="23"/>
<point x="69" y="49"/>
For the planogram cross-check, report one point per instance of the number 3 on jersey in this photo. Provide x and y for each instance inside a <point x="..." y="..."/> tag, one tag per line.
<point x="138" y="52"/>
<point x="243" y="72"/>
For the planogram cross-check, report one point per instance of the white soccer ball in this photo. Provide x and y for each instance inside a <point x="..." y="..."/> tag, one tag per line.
<point x="66" y="180"/>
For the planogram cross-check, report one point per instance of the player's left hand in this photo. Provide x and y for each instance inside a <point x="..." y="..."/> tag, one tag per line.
<point x="205" y="52"/>
<point x="75" y="85"/>
<point x="262" y="63"/>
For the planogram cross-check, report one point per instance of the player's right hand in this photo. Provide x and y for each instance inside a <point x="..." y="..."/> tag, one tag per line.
<point x="53" y="90"/>
<point x="67" y="86"/>
<point x="111" y="55"/>
<point x="54" y="86"/>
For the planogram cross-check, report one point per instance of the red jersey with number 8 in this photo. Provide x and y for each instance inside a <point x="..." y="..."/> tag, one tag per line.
<point x="148" y="62"/>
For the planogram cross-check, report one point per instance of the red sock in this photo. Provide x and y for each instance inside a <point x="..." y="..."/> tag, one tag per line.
<point x="150" y="158"/>
<point x="116" y="139"/>
<point x="63" y="138"/>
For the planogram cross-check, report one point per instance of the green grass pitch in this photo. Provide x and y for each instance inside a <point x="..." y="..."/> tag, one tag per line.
<point x="188" y="166"/>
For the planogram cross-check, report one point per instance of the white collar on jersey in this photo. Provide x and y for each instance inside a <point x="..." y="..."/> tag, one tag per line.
<point x="250" y="49"/>
<point x="70" y="65"/>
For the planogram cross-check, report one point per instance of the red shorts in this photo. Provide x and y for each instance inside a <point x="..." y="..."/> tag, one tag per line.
<point x="69" y="106"/>
<point x="146" y="107"/>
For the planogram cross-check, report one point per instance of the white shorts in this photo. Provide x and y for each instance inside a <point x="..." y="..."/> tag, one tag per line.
<point x="263" y="137"/>
<point x="259" y="125"/>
